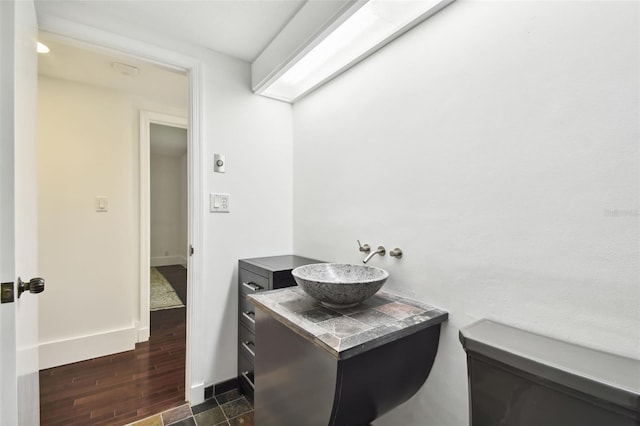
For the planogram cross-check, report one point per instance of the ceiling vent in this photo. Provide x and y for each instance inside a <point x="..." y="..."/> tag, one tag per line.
<point x="124" y="69"/>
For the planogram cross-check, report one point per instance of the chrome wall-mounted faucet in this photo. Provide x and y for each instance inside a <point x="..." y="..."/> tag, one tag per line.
<point x="381" y="251"/>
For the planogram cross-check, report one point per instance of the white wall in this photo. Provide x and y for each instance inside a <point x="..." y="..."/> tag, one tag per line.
<point x="168" y="234"/>
<point x="255" y="134"/>
<point x="491" y="144"/>
<point x="89" y="259"/>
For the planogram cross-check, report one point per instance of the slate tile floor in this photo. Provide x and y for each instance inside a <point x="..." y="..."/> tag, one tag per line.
<point x="227" y="409"/>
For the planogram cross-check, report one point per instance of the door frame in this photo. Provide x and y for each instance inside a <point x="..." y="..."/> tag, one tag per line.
<point x="103" y="41"/>
<point x="146" y="119"/>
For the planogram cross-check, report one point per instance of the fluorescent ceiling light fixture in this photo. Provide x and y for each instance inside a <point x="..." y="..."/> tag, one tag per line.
<point x="42" y="48"/>
<point x="373" y="24"/>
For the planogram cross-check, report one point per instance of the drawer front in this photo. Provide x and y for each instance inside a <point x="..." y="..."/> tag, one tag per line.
<point x="247" y="314"/>
<point x="251" y="283"/>
<point x="245" y="374"/>
<point x="246" y="342"/>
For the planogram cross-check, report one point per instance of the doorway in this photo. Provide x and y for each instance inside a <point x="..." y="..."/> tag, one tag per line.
<point x="168" y="225"/>
<point x="92" y="316"/>
<point x="164" y="224"/>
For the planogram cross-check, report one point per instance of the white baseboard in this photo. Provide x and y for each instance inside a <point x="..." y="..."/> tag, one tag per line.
<point x="168" y="260"/>
<point x="143" y="333"/>
<point x="197" y="394"/>
<point x="61" y="352"/>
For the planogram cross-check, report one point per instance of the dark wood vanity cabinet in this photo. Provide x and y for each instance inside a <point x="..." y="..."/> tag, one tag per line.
<point x="254" y="275"/>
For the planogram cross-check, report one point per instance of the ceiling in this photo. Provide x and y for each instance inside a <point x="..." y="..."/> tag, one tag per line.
<point x="152" y="83"/>
<point x="238" y="28"/>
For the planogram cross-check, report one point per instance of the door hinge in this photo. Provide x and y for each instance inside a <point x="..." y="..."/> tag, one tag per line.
<point x="6" y="293"/>
<point x="190" y="250"/>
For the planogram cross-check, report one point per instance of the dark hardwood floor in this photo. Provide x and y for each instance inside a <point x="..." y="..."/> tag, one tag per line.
<point x="121" y="388"/>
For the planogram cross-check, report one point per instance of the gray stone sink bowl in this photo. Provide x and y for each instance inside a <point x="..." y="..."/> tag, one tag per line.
<point x="340" y="285"/>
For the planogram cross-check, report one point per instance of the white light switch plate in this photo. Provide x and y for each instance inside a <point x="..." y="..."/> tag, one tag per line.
<point x="219" y="203"/>
<point x="102" y="204"/>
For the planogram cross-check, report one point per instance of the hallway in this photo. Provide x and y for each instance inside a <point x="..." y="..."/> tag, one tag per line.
<point x="124" y="387"/>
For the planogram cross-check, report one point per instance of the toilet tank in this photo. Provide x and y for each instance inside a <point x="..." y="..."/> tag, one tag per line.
<point x="519" y="378"/>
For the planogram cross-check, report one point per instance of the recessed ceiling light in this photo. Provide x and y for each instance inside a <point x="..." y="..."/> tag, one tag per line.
<point x="42" y="48"/>
<point x="125" y="69"/>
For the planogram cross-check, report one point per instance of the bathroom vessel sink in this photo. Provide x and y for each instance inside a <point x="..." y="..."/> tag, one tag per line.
<point x="340" y="285"/>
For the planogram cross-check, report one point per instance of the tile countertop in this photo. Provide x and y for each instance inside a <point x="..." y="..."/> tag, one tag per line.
<point x="347" y="332"/>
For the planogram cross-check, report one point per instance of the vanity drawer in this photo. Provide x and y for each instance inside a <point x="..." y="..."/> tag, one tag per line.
<point x="254" y="275"/>
<point x="247" y="342"/>
<point x="251" y="283"/>
<point x="245" y="375"/>
<point x="247" y="314"/>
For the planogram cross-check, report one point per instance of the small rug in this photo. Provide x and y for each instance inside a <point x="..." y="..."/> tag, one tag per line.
<point x="163" y="296"/>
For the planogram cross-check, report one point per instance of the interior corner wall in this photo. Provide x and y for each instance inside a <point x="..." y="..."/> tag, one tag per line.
<point x="497" y="145"/>
<point x="89" y="258"/>
<point x="168" y="200"/>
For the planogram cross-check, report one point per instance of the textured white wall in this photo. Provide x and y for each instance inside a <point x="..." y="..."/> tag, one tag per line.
<point x="168" y="236"/>
<point x="497" y="145"/>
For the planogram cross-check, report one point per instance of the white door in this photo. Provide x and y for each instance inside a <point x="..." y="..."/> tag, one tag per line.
<point x="19" y="389"/>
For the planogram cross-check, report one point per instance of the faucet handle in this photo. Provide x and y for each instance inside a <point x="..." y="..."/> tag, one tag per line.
<point x="364" y="248"/>
<point x="396" y="252"/>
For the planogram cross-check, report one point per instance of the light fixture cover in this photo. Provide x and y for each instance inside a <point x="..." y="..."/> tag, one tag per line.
<point x="369" y="26"/>
<point x="42" y="48"/>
